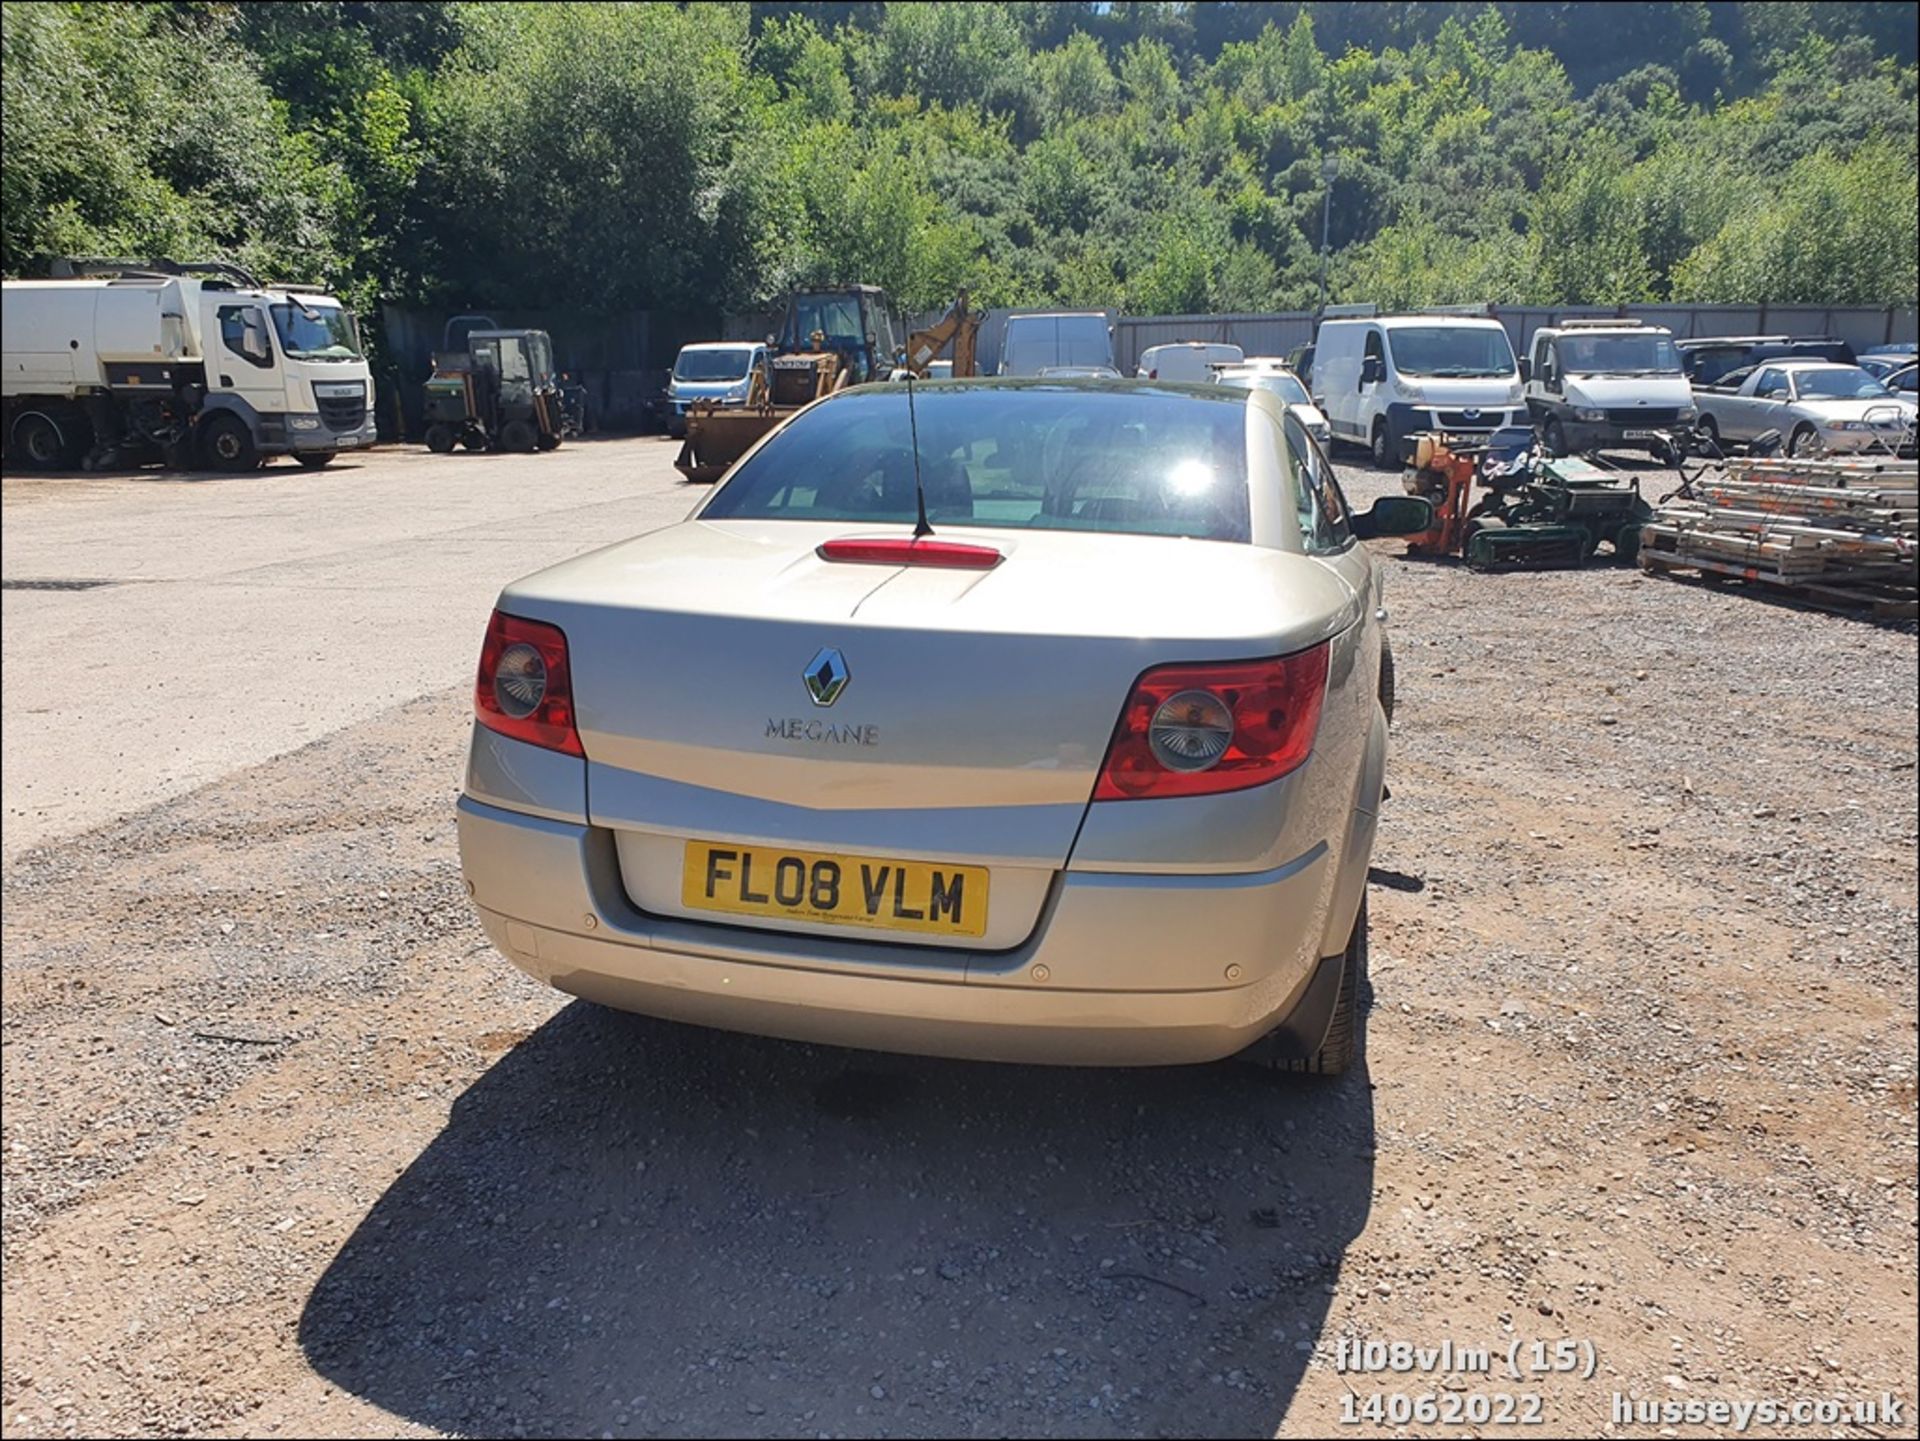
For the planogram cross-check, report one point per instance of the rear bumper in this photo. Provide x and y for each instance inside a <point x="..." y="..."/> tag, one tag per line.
<point x="1123" y="969"/>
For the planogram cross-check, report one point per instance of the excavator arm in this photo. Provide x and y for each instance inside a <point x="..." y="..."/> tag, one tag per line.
<point x="960" y="326"/>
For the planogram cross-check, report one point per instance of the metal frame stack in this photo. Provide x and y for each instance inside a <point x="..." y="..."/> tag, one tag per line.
<point x="1839" y="533"/>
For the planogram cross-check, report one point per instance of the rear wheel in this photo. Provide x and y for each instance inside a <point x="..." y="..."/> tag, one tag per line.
<point x="517" y="436"/>
<point x="38" y="442"/>
<point x="1554" y="437"/>
<point x="315" y="459"/>
<point x="226" y="444"/>
<point x="440" y="438"/>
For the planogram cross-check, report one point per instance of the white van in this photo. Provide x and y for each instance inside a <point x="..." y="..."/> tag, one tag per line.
<point x="1034" y="343"/>
<point x="1382" y="378"/>
<point x="1189" y="361"/>
<point x="1606" y="382"/>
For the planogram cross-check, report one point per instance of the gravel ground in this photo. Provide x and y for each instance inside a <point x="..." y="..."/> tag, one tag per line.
<point x="287" y="1149"/>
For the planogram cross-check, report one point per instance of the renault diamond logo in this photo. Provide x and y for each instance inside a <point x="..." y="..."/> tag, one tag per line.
<point x="826" y="676"/>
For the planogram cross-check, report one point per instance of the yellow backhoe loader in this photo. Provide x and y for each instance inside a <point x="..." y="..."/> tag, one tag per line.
<point x="829" y="339"/>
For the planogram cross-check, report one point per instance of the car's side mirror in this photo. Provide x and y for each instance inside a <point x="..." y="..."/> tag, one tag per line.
<point x="1526" y="371"/>
<point x="1372" y="370"/>
<point x="1395" y="515"/>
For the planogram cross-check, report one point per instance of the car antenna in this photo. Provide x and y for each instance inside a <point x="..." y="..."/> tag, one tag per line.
<point x="922" y="527"/>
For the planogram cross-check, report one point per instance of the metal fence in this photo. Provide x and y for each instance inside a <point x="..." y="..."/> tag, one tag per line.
<point x="622" y="358"/>
<point x="1277" y="332"/>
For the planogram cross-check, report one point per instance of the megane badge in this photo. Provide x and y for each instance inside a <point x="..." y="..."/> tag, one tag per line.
<point x="826" y="676"/>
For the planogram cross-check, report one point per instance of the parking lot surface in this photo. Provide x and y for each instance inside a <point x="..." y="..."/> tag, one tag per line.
<point x="288" y="1150"/>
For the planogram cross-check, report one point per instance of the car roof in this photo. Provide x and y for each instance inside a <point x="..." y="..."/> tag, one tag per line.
<point x="1799" y="365"/>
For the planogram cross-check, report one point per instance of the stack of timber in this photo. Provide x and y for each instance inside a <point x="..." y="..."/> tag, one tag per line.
<point x="1841" y="533"/>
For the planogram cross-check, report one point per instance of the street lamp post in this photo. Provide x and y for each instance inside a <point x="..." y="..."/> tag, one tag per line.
<point x="1329" y="168"/>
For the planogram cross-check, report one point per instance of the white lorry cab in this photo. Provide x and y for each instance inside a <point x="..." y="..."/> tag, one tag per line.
<point x="1034" y="343"/>
<point x="197" y="364"/>
<point x="1192" y="362"/>
<point x="1603" y="382"/>
<point x="1382" y="378"/>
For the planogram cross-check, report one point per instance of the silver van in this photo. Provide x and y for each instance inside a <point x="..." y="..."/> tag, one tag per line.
<point x="1034" y="343"/>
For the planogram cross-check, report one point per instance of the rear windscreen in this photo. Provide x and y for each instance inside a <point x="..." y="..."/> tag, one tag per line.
<point x="1128" y="460"/>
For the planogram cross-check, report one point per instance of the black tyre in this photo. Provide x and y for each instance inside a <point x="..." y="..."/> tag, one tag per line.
<point x="315" y="459"/>
<point x="1342" y="1045"/>
<point x="549" y="442"/>
<point x="1709" y="434"/>
<point x="1382" y="445"/>
<point x="517" y="436"/>
<point x="1626" y="543"/>
<point x="440" y="438"/>
<point x="1554" y="437"/>
<point x="1386" y="680"/>
<point x="1801" y="441"/>
<point x="39" y="443"/>
<point x="227" y="445"/>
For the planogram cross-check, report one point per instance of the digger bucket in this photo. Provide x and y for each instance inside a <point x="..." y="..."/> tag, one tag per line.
<point x="717" y="438"/>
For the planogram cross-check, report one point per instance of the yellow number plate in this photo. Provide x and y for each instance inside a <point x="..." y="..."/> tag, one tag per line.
<point x="835" y="890"/>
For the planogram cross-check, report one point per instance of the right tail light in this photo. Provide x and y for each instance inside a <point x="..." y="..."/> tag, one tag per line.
<point x="1193" y="730"/>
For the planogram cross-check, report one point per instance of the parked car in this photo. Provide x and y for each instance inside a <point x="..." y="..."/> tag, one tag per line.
<point x="1814" y="404"/>
<point x="1034" y="343"/>
<point x="1092" y="778"/>
<point x="1881" y="364"/>
<point x="1383" y="378"/>
<point x="719" y="371"/>
<point x="1901" y="382"/>
<point x="1705" y="360"/>
<point x="1190" y="361"/>
<point x="1593" y="383"/>
<point x="1080" y="372"/>
<point x="1272" y="376"/>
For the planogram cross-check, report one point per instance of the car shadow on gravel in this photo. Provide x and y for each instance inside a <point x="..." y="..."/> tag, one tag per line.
<point x="635" y="1227"/>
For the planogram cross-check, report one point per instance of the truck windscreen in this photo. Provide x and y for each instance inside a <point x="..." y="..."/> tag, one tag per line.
<point x="1631" y="354"/>
<point x="317" y="332"/>
<point x="1451" y="350"/>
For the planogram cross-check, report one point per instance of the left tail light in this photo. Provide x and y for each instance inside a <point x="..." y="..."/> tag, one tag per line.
<point x="1193" y="730"/>
<point x="525" y="686"/>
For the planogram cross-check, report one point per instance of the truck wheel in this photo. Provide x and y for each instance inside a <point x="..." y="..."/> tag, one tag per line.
<point x="1382" y="446"/>
<point x="1554" y="437"/>
<point x="440" y="438"/>
<point x="1801" y="441"/>
<point x="315" y="459"/>
<point x="517" y="436"/>
<point x="227" y="445"/>
<point x="38" y="442"/>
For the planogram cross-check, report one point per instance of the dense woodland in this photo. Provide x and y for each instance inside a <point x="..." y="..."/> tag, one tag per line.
<point x="1149" y="157"/>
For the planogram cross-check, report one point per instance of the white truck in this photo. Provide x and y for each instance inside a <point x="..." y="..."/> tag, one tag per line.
<point x="1606" y="382"/>
<point x="200" y="363"/>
